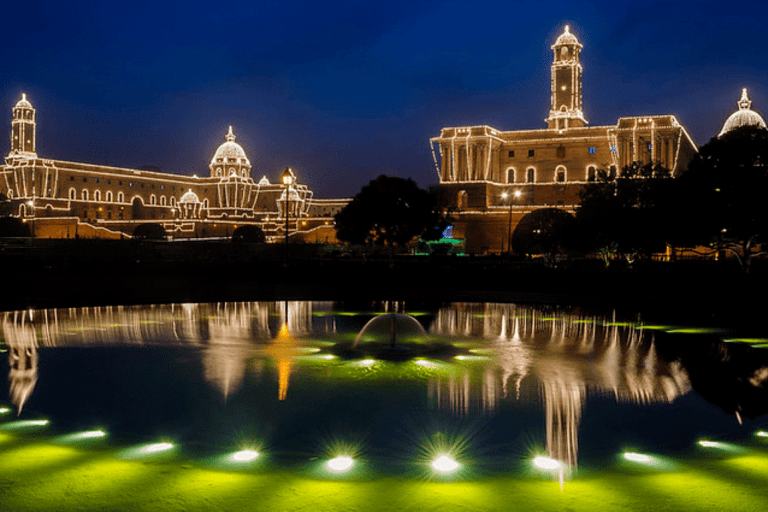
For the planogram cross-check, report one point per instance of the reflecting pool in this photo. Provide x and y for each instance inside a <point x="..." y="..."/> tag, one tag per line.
<point x="461" y="394"/>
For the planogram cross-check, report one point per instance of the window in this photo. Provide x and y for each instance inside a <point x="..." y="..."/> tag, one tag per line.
<point x="85" y="195"/>
<point x="97" y="196"/>
<point x="162" y="200"/>
<point x="591" y="150"/>
<point x="510" y="175"/>
<point x="511" y="153"/>
<point x="120" y="198"/>
<point x="561" y="151"/>
<point x="72" y="194"/>
<point x="530" y="175"/>
<point x="613" y="149"/>
<point x="560" y="174"/>
<point x="650" y="147"/>
<point x="531" y="153"/>
<point x="109" y="196"/>
<point x="591" y="173"/>
<point x="152" y="199"/>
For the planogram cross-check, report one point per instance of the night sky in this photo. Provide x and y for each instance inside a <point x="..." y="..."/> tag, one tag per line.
<point x="343" y="91"/>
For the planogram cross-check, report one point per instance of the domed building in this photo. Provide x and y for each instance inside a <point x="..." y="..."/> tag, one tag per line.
<point x="61" y="199"/>
<point x="492" y="178"/>
<point x="745" y="116"/>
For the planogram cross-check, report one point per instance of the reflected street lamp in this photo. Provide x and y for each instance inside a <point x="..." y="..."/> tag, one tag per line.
<point x="287" y="178"/>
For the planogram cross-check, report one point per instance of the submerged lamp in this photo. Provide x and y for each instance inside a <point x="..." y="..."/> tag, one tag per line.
<point x="340" y="464"/>
<point x="445" y="464"/>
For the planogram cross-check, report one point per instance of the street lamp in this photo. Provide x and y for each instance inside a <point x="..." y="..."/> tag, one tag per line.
<point x="287" y="178"/>
<point x="510" y="198"/>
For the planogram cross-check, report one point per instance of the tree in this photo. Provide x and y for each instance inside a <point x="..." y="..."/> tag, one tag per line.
<point x="388" y="211"/>
<point x="722" y="196"/>
<point x="625" y="214"/>
<point x="249" y="234"/>
<point x="149" y="231"/>
<point x="13" y="227"/>
<point x="547" y="231"/>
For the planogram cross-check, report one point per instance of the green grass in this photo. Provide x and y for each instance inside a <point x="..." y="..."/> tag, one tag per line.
<point x="36" y="474"/>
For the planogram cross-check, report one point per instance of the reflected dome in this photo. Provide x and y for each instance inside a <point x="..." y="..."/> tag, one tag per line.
<point x="745" y="116"/>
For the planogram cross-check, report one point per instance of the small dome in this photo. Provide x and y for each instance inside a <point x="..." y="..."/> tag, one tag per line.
<point x="230" y="152"/>
<point x="745" y="116"/>
<point x="189" y="197"/>
<point x="263" y="182"/>
<point x="23" y="102"/>
<point x="566" y="38"/>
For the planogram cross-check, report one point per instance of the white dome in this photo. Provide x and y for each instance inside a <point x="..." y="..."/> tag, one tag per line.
<point x="189" y="197"/>
<point x="745" y="116"/>
<point x="230" y="152"/>
<point x="566" y="38"/>
<point x="23" y="102"/>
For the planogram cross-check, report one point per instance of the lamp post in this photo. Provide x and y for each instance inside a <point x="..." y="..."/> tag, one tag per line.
<point x="288" y="178"/>
<point x="510" y="198"/>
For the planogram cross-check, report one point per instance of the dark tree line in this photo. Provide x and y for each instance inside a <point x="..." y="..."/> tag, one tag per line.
<point x="717" y="205"/>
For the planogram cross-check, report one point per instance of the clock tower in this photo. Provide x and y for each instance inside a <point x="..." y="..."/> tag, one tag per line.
<point x="566" y="84"/>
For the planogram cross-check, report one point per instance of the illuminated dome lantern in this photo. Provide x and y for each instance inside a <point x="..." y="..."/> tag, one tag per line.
<point x="566" y="38"/>
<point x="230" y="159"/>
<point x="190" y="206"/>
<point x="745" y="116"/>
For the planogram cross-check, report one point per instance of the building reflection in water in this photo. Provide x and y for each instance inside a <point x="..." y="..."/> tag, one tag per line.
<point x="230" y="336"/>
<point x="565" y="356"/>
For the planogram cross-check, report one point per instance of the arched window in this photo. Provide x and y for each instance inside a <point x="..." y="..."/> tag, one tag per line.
<point x="162" y="200"/>
<point x="109" y="196"/>
<point x="72" y="194"/>
<point x="510" y="175"/>
<point x="591" y="173"/>
<point x="97" y="195"/>
<point x="84" y="195"/>
<point x="173" y="201"/>
<point x="530" y="175"/>
<point x="560" y="174"/>
<point x="120" y="197"/>
<point x="152" y="199"/>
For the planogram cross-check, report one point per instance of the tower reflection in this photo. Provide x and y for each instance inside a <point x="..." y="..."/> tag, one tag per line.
<point x="567" y="356"/>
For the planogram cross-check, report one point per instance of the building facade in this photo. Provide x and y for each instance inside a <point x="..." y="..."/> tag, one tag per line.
<point x="493" y="178"/>
<point x="62" y="199"/>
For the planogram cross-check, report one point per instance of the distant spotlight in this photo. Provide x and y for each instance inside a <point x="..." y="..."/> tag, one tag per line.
<point x="4" y="410"/>
<point x="367" y="362"/>
<point x="340" y="463"/>
<point x="547" y="464"/>
<point x="710" y="444"/>
<point x="157" y="447"/>
<point x="424" y="363"/>
<point x="638" y="457"/>
<point x="23" y="424"/>
<point x="245" y="456"/>
<point x="445" y="464"/>
<point x="761" y="433"/>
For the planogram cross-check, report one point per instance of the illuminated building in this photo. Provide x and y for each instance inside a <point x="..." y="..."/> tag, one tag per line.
<point x="480" y="167"/>
<point x="70" y="199"/>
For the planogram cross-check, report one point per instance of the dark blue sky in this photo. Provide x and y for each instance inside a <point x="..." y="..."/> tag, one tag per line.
<point x="343" y="91"/>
